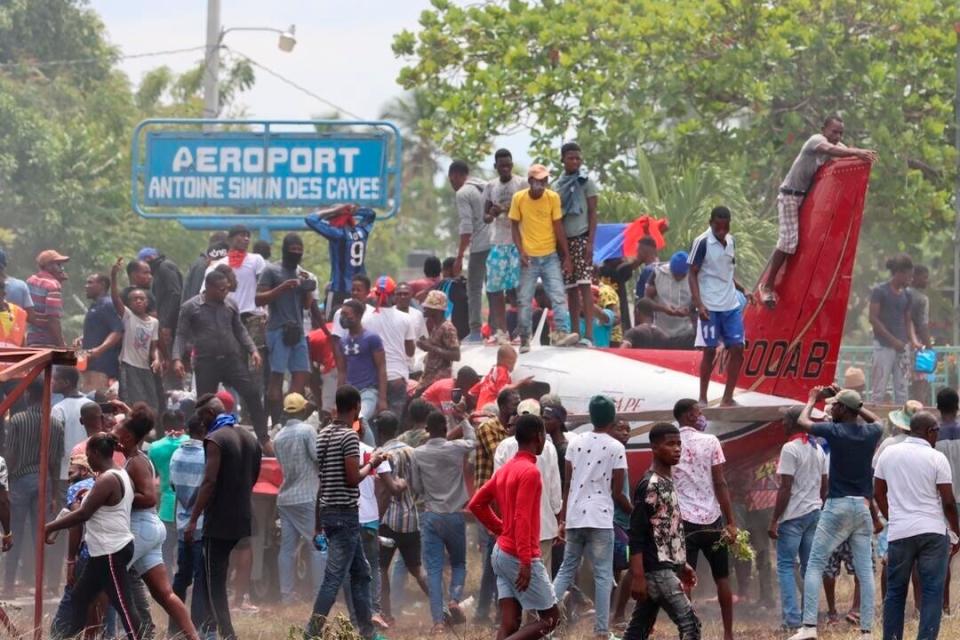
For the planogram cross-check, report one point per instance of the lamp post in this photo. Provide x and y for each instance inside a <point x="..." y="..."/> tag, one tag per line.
<point x="211" y="68"/>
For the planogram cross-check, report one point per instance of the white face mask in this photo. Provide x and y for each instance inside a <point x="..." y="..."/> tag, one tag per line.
<point x="702" y="423"/>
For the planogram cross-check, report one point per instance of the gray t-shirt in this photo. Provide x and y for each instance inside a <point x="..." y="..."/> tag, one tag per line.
<point x="894" y="310"/>
<point x="470" y="210"/>
<point x="287" y="308"/>
<point x="676" y="293"/>
<point x="574" y="192"/>
<point x="800" y="176"/>
<point x="501" y="193"/>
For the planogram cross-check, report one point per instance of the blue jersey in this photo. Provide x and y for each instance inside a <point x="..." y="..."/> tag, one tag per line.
<point x="348" y="246"/>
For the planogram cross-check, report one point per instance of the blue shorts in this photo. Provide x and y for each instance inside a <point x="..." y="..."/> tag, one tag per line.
<point x="723" y="326"/>
<point x="286" y="359"/>
<point x="503" y="268"/>
<point x="539" y="595"/>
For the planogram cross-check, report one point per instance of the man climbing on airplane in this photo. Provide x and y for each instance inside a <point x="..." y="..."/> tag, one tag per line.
<point x="713" y="289"/>
<point x="815" y="152"/>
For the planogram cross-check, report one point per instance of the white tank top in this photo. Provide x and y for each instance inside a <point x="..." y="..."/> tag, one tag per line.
<point x="108" y="529"/>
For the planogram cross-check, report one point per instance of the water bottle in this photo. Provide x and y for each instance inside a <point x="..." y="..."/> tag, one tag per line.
<point x="320" y="542"/>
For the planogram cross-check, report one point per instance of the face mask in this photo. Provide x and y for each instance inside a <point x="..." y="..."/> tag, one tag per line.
<point x="701" y="423"/>
<point x="346" y="323"/>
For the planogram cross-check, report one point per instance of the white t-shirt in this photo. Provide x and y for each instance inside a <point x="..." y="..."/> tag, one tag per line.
<point x="912" y="470"/>
<point x="419" y="331"/>
<point x="394" y="327"/>
<point x="551" y="499"/>
<point x="693" y="476"/>
<point x="501" y="193"/>
<point x="594" y="457"/>
<point x="138" y="333"/>
<point x="67" y="412"/>
<point x="369" y="511"/>
<point x="248" y="273"/>
<point x="807" y="464"/>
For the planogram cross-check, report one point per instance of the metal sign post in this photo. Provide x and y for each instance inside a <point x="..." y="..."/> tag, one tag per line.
<point x="246" y="169"/>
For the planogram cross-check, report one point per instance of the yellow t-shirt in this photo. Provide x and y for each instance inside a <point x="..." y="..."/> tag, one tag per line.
<point x="536" y="218"/>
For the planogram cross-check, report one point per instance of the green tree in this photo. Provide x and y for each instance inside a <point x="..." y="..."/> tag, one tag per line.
<point x="702" y="81"/>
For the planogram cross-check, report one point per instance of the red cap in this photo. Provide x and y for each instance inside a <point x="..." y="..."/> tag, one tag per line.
<point x="228" y="402"/>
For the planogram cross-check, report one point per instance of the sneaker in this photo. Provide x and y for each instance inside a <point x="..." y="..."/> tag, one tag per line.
<point x="584" y="343"/>
<point x="475" y="337"/>
<point x="502" y="338"/>
<point x="524" y="345"/>
<point x="247" y="607"/>
<point x="806" y="633"/>
<point x="866" y="635"/>
<point x="564" y="339"/>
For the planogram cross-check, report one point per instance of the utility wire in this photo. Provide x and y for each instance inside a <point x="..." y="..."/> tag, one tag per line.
<point x="294" y="84"/>
<point x="81" y="61"/>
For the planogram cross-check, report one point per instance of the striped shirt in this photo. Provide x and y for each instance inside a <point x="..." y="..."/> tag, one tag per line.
<point x="401" y="513"/>
<point x="186" y="476"/>
<point x="23" y="444"/>
<point x="296" y="449"/>
<point x="46" y="293"/>
<point x="335" y="444"/>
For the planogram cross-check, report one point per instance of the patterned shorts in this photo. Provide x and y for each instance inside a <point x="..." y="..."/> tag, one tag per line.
<point x="503" y="268"/>
<point x="582" y="268"/>
<point x="842" y="555"/>
<point x="788" y="210"/>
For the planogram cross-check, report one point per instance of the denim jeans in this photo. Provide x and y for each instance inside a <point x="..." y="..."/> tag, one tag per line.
<point x="794" y="537"/>
<point x="663" y="592"/>
<point x="597" y="544"/>
<point x="297" y="523"/>
<point x="840" y="519"/>
<point x="444" y="531"/>
<point x="548" y="269"/>
<point x="371" y="551"/>
<point x="368" y="408"/>
<point x="190" y="573"/>
<point x="24" y="505"/>
<point x="488" y="581"/>
<point x="930" y="552"/>
<point x="476" y="276"/>
<point x="344" y="555"/>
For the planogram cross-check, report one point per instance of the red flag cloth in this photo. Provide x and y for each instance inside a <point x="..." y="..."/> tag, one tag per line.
<point x="643" y="227"/>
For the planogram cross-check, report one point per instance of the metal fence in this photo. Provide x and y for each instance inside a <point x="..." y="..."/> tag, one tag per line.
<point x="947" y="373"/>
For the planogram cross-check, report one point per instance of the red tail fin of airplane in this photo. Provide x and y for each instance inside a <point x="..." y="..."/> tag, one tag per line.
<point x="795" y="346"/>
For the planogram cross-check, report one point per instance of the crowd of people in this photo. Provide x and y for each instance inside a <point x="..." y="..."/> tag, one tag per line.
<point x="386" y="445"/>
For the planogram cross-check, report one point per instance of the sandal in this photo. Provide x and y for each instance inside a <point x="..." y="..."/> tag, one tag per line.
<point x="853" y="617"/>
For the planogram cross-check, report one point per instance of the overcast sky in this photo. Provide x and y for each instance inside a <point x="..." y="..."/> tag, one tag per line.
<point x="342" y="54"/>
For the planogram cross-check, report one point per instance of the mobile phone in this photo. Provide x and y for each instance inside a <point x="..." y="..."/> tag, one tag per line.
<point x="456" y="395"/>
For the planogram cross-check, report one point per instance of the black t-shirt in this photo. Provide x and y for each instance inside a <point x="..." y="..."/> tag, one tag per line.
<point x="894" y="311"/>
<point x="228" y="515"/>
<point x="656" y="528"/>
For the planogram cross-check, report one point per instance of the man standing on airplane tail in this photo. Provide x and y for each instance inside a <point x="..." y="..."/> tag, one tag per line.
<point x="815" y="152"/>
<point x="713" y="289"/>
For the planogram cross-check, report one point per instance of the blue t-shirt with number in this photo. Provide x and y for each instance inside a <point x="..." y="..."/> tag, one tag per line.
<point x="348" y="246"/>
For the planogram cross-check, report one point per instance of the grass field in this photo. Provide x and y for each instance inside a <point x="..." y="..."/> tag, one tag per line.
<point x="751" y="622"/>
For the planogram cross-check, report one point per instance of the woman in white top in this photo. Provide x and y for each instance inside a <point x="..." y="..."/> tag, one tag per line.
<point x="148" y="531"/>
<point x="106" y="511"/>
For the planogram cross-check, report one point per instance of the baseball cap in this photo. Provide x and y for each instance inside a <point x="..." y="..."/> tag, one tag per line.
<point x="237" y="229"/>
<point x="538" y="172"/>
<point x="436" y="300"/>
<point x="295" y="403"/>
<point x="49" y="256"/>
<point x="530" y="406"/>
<point x="229" y="404"/>
<point x="901" y="417"/>
<point x="553" y="411"/>
<point x="678" y="263"/>
<point x="147" y="253"/>
<point x="218" y="250"/>
<point x="848" y="398"/>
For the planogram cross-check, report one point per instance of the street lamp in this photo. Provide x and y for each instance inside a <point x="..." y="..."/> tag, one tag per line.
<point x="211" y="92"/>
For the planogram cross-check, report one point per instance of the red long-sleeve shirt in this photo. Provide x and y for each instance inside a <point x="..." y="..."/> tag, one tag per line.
<point x="516" y="487"/>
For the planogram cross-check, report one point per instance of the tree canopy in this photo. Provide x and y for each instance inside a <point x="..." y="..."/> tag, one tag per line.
<point x="694" y="82"/>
